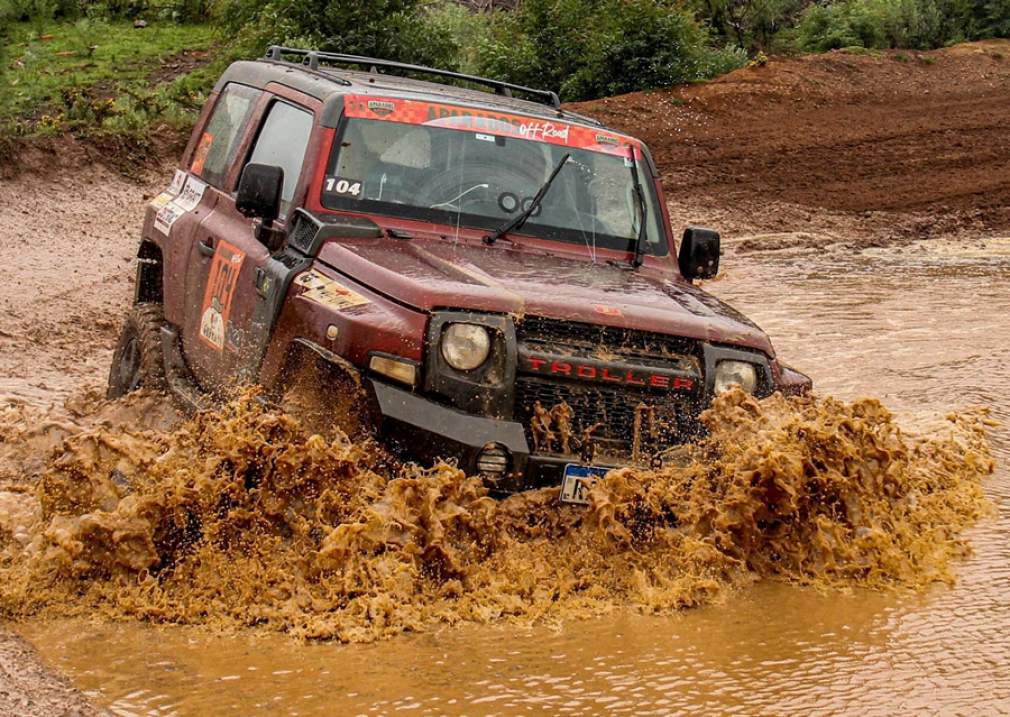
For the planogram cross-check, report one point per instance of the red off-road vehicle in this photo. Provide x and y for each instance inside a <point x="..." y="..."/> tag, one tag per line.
<point x="487" y="278"/>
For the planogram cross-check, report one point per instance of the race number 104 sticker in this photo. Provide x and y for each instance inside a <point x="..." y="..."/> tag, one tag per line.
<point x="217" y="298"/>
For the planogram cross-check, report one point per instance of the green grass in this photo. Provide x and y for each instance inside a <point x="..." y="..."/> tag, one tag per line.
<point x="94" y="77"/>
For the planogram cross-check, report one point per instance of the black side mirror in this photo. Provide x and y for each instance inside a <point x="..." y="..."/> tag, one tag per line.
<point x="699" y="253"/>
<point x="259" y="192"/>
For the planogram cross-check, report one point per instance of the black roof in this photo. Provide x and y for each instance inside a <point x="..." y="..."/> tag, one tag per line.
<point x="328" y="83"/>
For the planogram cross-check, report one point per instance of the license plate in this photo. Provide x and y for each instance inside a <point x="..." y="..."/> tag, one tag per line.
<point x="576" y="482"/>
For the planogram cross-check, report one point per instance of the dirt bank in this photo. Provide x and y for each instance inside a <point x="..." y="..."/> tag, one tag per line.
<point x="28" y="689"/>
<point x="883" y="146"/>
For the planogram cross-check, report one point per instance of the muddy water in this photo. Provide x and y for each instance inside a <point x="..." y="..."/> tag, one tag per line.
<point x="922" y="327"/>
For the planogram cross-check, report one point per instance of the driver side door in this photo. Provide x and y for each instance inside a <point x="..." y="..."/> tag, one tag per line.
<point x="229" y="339"/>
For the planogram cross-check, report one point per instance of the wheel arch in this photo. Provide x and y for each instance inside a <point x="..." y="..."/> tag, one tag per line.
<point x="302" y="352"/>
<point x="150" y="284"/>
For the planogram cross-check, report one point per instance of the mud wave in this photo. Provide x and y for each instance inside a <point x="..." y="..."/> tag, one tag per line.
<point x="240" y="517"/>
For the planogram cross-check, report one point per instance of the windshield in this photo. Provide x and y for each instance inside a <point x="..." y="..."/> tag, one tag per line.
<point x="480" y="170"/>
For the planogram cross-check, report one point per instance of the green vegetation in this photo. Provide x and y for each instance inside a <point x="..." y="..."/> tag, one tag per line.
<point x="102" y="79"/>
<point x="63" y="76"/>
<point x="913" y="24"/>
<point x="593" y="48"/>
<point x="81" y="67"/>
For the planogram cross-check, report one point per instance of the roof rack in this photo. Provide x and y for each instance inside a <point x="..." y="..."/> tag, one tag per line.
<point x="313" y="59"/>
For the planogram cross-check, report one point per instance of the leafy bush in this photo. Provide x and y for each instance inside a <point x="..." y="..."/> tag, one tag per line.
<point x="918" y="24"/>
<point x="591" y="48"/>
<point x="392" y="29"/>
<point x="754" y="24"/>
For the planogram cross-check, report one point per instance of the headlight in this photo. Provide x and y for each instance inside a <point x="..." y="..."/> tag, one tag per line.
<point x="465" y="346"/>
<point x="741" y="373"/>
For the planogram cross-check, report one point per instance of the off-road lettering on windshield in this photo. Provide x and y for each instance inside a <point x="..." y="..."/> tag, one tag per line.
<point x="487" y="123"/>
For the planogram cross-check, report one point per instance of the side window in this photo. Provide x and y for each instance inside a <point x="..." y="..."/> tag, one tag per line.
<point x="282" y="142"/>
<point x="220" y="139"/>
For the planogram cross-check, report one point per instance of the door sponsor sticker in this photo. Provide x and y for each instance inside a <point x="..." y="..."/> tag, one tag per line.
<point x="217" y="297"/>
<point x="191" y="194"/>
<point x="170" y="207"/>
<point x="326" y="292"/>
<point x="166" y="217"/>
<point x="177" y="181"/>
<point x="160" y="201"/>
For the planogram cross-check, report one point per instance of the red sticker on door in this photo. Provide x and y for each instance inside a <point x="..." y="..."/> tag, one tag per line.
<point x="217" y="297"/>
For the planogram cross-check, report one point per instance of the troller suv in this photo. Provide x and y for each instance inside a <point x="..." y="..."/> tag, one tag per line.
<point x="490" y="279"/>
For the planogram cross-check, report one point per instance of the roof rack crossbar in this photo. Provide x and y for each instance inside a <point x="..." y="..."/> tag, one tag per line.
<point x="313" y="59"/>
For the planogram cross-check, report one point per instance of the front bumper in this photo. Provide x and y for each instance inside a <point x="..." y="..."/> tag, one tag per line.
<point x="426" y="431"/>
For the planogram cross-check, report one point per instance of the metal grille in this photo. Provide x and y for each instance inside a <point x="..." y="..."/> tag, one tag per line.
<point x="612" y="408"/>
<point x="624" y="342"/>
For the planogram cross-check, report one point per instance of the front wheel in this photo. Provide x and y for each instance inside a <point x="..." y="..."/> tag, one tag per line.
<point x="137" y="361"/>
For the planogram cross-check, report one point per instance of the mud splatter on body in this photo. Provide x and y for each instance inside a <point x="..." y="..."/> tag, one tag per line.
<point x="239" y="517"/>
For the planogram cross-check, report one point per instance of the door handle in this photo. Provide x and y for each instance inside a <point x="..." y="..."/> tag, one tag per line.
<point x="206" y="247"/>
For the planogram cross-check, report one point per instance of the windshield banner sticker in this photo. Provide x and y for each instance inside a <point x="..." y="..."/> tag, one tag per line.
<point x="217" y="298"/>
<point x="323" y="290"/>
<point x="487" y="122"/>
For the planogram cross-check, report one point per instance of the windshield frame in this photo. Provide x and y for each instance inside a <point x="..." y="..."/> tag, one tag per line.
<point x="570" y="237"/>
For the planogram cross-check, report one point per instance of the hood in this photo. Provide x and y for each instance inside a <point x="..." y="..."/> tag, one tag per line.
<point x="430" y="274"/>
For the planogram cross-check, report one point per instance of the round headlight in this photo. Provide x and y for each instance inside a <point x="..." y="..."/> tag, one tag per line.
<point x="465" y="346"/>
<point x="730" y="373"/>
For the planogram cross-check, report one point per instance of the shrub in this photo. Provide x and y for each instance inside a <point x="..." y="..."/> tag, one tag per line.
<point x="591" y="48"/>
<point x="915" y="24"/>
<point x="391" y="29"/>
<point x="754" y="24"/>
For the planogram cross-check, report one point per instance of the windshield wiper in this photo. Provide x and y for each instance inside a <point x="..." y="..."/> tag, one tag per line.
<point x="637" y="260"/>
<point x="525" y="214"/>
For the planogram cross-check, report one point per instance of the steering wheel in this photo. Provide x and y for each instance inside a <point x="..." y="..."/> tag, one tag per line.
<point x="475" y="189"/>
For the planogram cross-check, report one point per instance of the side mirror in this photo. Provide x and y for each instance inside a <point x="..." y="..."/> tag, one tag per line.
<point x="259" y="192"/>
<point x="699" y="253"/>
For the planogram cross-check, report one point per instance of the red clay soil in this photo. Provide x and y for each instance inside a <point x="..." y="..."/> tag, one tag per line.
<point x="872" y="146"/>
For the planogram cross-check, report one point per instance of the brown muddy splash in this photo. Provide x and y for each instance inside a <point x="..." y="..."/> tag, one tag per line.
<point x="238" y="517"/>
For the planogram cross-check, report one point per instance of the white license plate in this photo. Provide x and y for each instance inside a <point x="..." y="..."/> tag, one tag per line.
<point x="577" y="480"/>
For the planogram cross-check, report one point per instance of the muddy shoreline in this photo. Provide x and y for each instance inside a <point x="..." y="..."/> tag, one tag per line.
<point x="30" y="689"/>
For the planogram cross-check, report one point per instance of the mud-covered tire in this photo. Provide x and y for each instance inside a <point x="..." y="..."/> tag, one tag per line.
<point x="325" y="397"/>
<point x="137" y="361"/>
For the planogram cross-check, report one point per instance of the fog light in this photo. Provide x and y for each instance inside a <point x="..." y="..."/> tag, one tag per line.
<point x="397" y="369"/>
<point x="493" y="461"/>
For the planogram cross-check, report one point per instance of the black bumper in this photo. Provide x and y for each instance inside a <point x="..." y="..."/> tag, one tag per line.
<point x="421" y="430"/>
